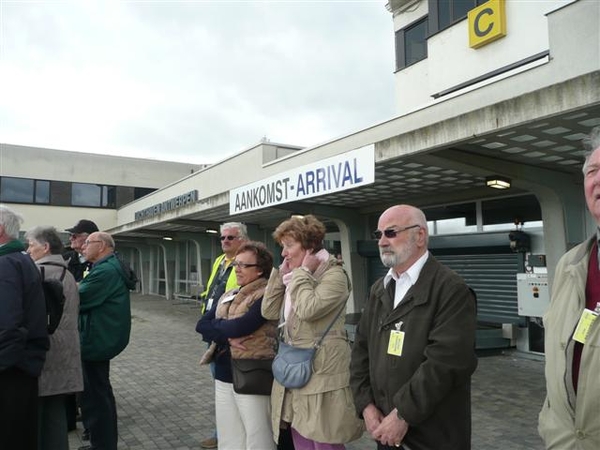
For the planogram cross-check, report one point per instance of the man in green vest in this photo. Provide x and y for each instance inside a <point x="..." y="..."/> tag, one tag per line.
<point x="222" y="279"/>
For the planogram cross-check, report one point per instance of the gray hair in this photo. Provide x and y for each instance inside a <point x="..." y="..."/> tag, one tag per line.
<point x="46" y="235"/>
<point x="242" y="229"/>
<point x="11" y="221"/>
<point x="590" y="144"/>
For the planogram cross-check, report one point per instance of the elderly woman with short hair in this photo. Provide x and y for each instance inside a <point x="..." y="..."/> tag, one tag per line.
<point x="239" y="331"/>
<point x="61" y="374"/>
<point x="310" y="291"/>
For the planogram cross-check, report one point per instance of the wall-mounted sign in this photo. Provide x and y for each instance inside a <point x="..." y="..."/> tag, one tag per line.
<point x="338" y="173"/>
<point x="487" y="23"/>
<point x="168" y="205"/>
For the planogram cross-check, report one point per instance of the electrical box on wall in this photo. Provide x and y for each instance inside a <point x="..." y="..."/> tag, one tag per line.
<point x="533" y="297"/>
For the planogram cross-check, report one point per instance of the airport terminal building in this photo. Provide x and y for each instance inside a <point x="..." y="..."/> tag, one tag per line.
<point x="493" y="100"/>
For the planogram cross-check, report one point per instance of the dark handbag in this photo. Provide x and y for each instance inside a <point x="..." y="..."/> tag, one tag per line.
<point x="252" y="376"/>
<point x="292" y="366"/>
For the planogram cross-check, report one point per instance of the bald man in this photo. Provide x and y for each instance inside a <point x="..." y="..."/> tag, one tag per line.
<point x="414" y="351"/>
<point x="104" y="326"/>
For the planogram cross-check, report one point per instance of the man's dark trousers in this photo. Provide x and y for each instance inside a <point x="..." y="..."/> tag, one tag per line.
<point x="18" y="410"/>
<point x="98" y="405"/>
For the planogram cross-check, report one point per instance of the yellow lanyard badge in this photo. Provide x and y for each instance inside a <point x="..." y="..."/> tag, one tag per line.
<point x="396" y="341"/>
<point x="588" y="317"/>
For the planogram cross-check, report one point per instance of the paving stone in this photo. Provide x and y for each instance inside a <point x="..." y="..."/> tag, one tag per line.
<point x="165" y="399"/>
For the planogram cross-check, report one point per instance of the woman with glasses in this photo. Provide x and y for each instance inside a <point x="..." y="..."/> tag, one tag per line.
<point x="61" y="374"/>
<point x="238" y="329"/>
<point x="307" y="293"/>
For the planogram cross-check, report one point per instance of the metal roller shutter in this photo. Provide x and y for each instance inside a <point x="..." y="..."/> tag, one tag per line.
<point x="491" y="276"/>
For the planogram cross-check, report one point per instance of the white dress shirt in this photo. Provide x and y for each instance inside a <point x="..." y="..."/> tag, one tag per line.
<point x="405" y="280"/>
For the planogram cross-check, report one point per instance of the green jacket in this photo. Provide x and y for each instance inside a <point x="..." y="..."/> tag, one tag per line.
<point x="104" y="312"/>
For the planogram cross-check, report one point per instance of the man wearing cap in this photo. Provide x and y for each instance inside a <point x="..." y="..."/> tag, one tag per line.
<point x="78" y="266"/>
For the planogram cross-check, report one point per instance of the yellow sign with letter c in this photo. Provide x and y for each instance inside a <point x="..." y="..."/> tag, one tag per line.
<point x="487" y="23"/>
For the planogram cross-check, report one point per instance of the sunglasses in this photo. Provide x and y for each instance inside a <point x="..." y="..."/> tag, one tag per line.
<point x="243" y="265"/>
<point x="229" y="238"/>
<point x="391" y="232"/>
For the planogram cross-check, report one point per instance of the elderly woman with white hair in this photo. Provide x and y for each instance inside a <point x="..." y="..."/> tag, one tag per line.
<point x="61" y="373"/>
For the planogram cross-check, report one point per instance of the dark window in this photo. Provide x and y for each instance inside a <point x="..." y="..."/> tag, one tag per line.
<point x="109" y="196"/>
<point x="411" y="44"/>
<point x="24" y="190"/>
<point x="139" y="192"/>
<point x="415" y="42"/>
<point x="84" y="194"/>
<point x="444" y="13"/>
<point x="42" y="191"/>
<point x="18" y="190"/>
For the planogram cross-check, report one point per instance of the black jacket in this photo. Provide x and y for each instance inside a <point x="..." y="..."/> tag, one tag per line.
<point x="430" y="383"/>
<point x="23" y="333"/>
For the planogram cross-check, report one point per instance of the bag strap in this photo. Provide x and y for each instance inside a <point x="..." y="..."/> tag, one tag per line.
<point x="42" y="269"/>
<point x="318" y="344"/>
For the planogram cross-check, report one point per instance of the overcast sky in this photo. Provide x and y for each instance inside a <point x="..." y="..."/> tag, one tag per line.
<point x="192" y="81"/>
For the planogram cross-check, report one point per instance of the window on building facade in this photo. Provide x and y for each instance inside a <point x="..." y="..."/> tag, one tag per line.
<point x="444" y="13"/>
<point x="140" y="192"/>
<point x="95" y="195"/>
<point x="24" y="190"/>
<point x="411" y="44"/>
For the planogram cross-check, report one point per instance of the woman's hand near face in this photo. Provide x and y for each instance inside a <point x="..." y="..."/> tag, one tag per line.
<point x="310" y="261"/>
<point x="284" y="268"/>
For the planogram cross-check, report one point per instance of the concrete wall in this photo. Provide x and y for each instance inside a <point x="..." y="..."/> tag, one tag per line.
<point x="57" y="165"/>
<point x="451" y="61"/>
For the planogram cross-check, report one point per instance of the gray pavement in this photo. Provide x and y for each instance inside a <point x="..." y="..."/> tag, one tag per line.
<point x="165" y="398"/>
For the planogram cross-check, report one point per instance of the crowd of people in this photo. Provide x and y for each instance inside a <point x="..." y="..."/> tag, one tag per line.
<point x="405" y="380"/>
<point x="46" y="375"/>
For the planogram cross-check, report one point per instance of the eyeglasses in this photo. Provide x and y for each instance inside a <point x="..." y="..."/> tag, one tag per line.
<point x="390" y="232"/>
<point x="229" y="238"/>
<point x="90" y="242"/>
<point x="242" y="265"/>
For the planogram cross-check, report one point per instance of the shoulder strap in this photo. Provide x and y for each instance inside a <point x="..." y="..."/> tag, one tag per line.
<point x="330" y="325"/>
<point x="50" y="263"/>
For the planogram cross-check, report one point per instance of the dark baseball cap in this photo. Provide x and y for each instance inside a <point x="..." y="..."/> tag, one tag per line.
<point x="83" y="226"/>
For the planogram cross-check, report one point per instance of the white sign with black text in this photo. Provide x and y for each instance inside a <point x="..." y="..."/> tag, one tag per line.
<point x="338" y="173"/>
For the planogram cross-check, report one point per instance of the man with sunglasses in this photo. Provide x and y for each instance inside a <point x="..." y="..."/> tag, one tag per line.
<point x="222" y="278"/>
<point x="414" y="350"/>
<point x="78" y="266"/>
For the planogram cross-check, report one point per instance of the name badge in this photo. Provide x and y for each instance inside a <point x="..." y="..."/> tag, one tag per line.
<point x="396" y="342"/>
<point x="209" y="304"/>
<point x="588" y="317"/>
